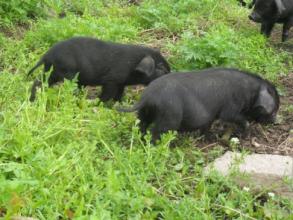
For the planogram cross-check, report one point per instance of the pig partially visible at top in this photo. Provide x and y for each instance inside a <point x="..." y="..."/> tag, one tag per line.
<point x="269" y="12"/>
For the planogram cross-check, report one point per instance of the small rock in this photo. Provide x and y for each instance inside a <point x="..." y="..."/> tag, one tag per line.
<point x="22" y="218"/>
<point x="256" y="163"/>
<point x="265" y="171"/>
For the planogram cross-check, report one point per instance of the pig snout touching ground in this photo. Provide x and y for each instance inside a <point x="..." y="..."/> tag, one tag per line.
<point x="194" y="100"/>
<point x="269" y="12"/>
<point x="111" y="65"/>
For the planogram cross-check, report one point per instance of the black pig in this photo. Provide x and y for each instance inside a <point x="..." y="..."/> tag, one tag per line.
<point x="269" y="12"/>
<point x="194" y="100"/>
<point x="111" y="65"/>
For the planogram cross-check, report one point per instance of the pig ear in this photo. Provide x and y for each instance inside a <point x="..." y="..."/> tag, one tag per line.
<point x="280" y="6"/>
<point x="265" y="100"/>
<point x="146" y="66"/>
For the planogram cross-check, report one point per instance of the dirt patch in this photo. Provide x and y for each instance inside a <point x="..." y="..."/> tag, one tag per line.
<point x="17" y="32"/>
<point x="155" y="38"/>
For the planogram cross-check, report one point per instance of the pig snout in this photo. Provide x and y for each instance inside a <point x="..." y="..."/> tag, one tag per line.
<point x="267" y="120"/>
<point x="254" y="17"/>
<point x="272" y="119"/>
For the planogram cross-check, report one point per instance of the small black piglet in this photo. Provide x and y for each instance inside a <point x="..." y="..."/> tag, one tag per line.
<point x="111" y="65"/>
<point x="194" y="100"/>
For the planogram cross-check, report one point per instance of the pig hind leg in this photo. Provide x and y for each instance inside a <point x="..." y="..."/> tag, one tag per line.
<point x="56" y="76"/>
<point x="38" y="83"/>
<point x="166" y="121"/>
<point x="146" y="116"/>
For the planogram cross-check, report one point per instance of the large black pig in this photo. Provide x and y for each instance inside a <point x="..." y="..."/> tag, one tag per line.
<point x="269" y="12"/>
<point x="111" y="65"/>
<point x="194" y="100"/>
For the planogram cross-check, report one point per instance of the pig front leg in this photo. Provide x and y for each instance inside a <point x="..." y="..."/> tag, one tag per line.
<point x="235" y="116"/>
<point x="165" y="121"/>
<point x="109" y="91"/>
<point x="266" y="29"/>
<point x="286" y="27"/>
<point x="243" y="124"/>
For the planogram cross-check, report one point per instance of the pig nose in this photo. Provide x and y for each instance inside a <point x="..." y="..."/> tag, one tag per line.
<point x="251" y="17"/>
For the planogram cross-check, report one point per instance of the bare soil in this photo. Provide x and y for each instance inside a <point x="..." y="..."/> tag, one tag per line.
<point x="15" y="33"/>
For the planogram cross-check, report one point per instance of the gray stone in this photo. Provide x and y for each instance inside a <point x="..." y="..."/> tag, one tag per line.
<point x="22" y="218"/>
<point x="265" y="171"/>
<point x="266" y="164"/>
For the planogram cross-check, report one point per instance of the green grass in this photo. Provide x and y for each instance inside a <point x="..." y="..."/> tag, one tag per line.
<point x="65" y="156"/>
